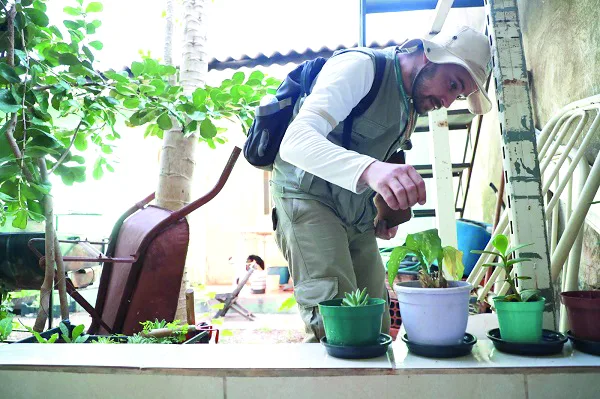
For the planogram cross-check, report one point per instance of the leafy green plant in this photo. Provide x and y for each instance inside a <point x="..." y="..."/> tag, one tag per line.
<point x="427" y="247"/>
<point x="105" y="340"/>
<point x="6" y="327"/>
<point x="356" y="298"/>
<point x="178" y="335"/>
<point x="76" y="336"/>
<point x="507" y="261"/>
<point x="288" y="304"/>
<point x="53" y="338"/>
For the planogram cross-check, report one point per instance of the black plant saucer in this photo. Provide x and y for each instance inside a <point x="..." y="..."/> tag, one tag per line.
<point x="584" y="345"/>
<point x="551" y="344"/>
<point x="442" y="351"/>
<point x="359" y="352"/>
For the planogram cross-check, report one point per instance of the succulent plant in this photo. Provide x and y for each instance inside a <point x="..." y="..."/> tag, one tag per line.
<point x="356" y="298"/>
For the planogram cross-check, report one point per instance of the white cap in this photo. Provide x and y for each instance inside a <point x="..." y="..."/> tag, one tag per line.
<point x="465" y="47"/>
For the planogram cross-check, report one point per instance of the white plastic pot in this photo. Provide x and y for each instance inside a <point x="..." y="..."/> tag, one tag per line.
<point x="434" y="316"/>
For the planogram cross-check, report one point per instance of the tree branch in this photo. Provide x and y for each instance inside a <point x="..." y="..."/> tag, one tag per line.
<point x="64" y="155"/>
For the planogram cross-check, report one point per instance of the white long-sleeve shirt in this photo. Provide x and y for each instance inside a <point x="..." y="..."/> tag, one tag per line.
<point x="343" y="81"/>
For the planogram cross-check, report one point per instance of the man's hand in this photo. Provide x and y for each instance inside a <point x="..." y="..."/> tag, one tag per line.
<point x="400" y="185"/>
<point x="382" y="231"/>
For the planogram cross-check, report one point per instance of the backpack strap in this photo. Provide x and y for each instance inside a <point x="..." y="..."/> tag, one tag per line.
<point x="367" y="101"/>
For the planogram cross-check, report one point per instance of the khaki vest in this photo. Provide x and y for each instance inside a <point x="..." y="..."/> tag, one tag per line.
<point x="379" y="132"/>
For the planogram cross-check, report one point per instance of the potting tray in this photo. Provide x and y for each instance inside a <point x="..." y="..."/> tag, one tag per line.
<point x="441" y="351"/>
<point x="551" y="344"/>
<point x="583" y="345"/>
<point x="359" y="352"/>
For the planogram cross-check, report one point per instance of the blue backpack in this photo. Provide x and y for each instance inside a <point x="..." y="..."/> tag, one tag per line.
<point x="272" y="120"/>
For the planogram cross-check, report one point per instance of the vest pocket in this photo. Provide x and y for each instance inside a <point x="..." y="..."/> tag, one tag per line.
<point x="366" y="129"/>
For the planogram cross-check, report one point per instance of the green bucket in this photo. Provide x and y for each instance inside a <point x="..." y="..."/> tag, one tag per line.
<point x="352" y="326"/>
<point x="520" y="321"/>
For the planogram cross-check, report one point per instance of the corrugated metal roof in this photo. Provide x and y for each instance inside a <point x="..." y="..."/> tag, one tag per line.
<point x="277" y="58"/>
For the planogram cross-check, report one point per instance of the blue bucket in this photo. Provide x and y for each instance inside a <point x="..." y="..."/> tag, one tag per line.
<point x="471" y="235"/>
<point x="282" y="271"/>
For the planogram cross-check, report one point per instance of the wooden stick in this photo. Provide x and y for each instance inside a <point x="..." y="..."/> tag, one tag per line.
<point x="189" y="307"/>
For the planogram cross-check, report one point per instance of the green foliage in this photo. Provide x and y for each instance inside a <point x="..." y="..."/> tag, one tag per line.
<point x="76" y="336"/>
<point x="178" y="336"/>
<point x="507" y="261"/>
<point x="356" y="298"/>
<point x="105" y="340"/>
<point x="6" y="326"/>
<point x="427" y="247"/>
<point x="66" y="110"/>
<point x="41" y="339"/>
<point x="288" y="304"/>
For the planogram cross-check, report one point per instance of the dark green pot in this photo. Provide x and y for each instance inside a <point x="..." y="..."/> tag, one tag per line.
<point x="352" y="326"/>
<point x="520" y="321"/>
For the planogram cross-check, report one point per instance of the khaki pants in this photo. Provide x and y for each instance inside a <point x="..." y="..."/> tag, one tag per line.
<point x="327" y="258"/>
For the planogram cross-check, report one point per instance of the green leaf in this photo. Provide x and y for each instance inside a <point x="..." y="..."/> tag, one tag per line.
<point x="500" y="242"/>
<point x="68" y="59"/>
<point x="20" y="220"/>
<point x="226" y="333"/>
<point x="217" y="306"/>
<point x="238" y="77"/>
<point x="96" y="44"/>
<point x="65" y="332"/>
<point x="38" y="17"/>
<point x="428" y="243"/>
<point x="257" y="75"/>
<point x="98" y="172"/>
<point x="494" y="264"/>
<point x="7" y="102"/>
<point x="90" y="56"/>
<point x="393" y="265"/>
<point x="77" y="331"/>
<point x="159" y="87"/>
<point x="530" y="295"/>
<point x="53" y="338"/>
<point x="137" y="68"/>
<point x="131" y="102"/>
<point x="452" y="263"/>
<point x="211" y="143"/>
<point x="517" y="260"/>
<point x="125" y="90"/>
<point x="81" y="142"/>
<point x="8" y="73"/>
<point x="94" y="7"/>
<point x="511" y="250"/>
<point x="6" y="326"/>
<point x="476" y="251"/>
<point x="199" y="97"/>
<point x="208" y="129"/>
<point x="287" y="304"/>
<point x="72" y="11"/>
<point x="164" y="121"/>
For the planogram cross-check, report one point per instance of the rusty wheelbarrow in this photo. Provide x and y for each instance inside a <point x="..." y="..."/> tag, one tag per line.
<point x="143" y="264"/>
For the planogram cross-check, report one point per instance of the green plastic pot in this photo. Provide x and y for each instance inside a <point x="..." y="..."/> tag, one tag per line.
<point x="520" y="321"/>
<point x="352" y="326"/>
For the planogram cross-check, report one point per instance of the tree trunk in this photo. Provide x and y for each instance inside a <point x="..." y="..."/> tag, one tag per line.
<point x="177" y="160"/>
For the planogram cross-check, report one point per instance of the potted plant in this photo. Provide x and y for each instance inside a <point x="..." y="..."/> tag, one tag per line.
<point x="435" y="308"/>
<point x="583" y="312"/>
<point x="519" y="312"/>
<point x="354" y="320"/>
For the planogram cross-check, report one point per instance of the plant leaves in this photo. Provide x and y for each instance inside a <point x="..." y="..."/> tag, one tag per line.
<point x="452" y="263"/>
<point x="164" y="121"/>
<point x="96" y="44"/>
<point x="428" y="243"/>
<point x="393" y="264"/>
<point x="208" y="129"/>
<point x="8" y="73"/>
<point x="38" y="17"/>
<point x="500" y="242"/>
<point x="513" y="249"/>
<point x="77" y="331"/>
<point x="517" y="260"/>
<point x="287" y="304"/>
<point x="476" y="251"/>
<point x="530" y="295"/>
<point x="94" y="7"/>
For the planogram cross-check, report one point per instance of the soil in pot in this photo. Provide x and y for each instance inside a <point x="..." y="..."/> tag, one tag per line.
<point x="583" y="312"/>
<point x="352" y="325"/>
<point x="434" y="316"/>
<point x="520" y="321"/>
